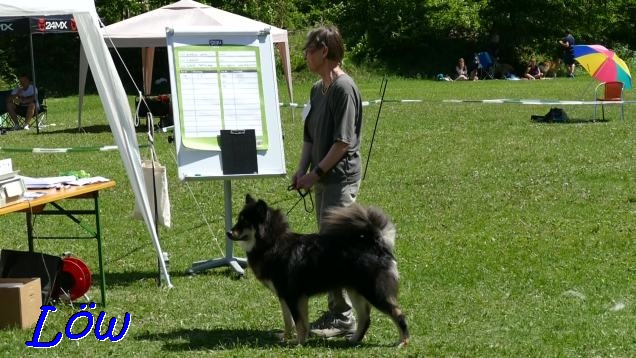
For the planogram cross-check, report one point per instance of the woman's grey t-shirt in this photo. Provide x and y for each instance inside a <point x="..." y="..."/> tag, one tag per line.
<point x="334" y="116"/>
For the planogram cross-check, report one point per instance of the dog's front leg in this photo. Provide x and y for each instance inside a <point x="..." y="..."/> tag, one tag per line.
<point x="288" y="333"/>
<point x="302" y="319"/>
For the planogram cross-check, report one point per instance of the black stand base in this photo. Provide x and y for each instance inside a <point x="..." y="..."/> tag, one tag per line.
<point x="238" y="264"/>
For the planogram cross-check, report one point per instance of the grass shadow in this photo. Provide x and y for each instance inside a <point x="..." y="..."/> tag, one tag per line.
<point x="96" y="128"/>
<point x="227" y="339"/>
<point x="115" y="279"/>
<point x="572" y="121"/>
<point x="586" y="120"/>
<point x="92" y="129"/>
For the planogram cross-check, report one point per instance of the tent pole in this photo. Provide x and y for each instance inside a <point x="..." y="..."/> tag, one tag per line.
<point x="33" y="81"/>
<point x="32" y="60"/>
<point x="83" y="72"/>
<point x="147" y="64"/>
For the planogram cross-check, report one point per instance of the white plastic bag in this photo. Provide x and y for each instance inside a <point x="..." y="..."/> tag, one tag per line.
<point x="161" y="188"/>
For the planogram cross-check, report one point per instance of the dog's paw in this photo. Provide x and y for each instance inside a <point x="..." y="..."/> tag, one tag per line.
<point x="353" y="338"/>
<point x="283" y="337"/>
<point x="402" y="343"/>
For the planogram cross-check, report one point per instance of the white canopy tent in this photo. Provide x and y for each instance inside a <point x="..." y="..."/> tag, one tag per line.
<point x="110" y="88"/>
<point x="148" y="30"/>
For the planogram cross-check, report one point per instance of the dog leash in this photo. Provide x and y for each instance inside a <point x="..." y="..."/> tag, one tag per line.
<point x="303" y="195"/>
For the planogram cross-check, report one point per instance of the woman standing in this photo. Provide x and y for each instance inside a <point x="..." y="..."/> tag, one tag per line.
<point x="330" y="157"/>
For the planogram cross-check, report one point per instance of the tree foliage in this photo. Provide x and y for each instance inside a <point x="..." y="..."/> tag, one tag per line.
<point x="407" y="37"/>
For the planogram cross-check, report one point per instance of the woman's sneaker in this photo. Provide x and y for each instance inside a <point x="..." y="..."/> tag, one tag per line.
<point x="333" y="325"/>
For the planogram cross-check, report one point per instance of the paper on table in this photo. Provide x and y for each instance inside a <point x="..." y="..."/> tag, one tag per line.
<point x="33" y="194"/>
<point x="85" y="181"/>
<point x="47" y="182"/>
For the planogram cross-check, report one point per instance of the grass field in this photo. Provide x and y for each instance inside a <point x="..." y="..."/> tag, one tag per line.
<point x="515" y="238"/>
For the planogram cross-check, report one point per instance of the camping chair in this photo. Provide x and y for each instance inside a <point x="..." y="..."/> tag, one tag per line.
<point x="486" y="65"/>
<point x="39" y="118"/>
<point x="608" y="92"/>
<point x="42" y="112"/>
<point x="158" y="106"/>
<point x="5" y="120"/>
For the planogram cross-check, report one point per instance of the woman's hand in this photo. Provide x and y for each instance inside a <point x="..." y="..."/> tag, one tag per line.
<point x="307" y="181"/>
<point x="295" y="178"/>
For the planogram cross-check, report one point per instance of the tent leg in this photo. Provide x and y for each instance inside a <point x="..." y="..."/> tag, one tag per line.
<point x="238" y="264"/>
<point x="32" y="60"/>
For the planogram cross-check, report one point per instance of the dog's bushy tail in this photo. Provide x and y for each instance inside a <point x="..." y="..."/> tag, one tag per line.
<point x="358" y="219"/>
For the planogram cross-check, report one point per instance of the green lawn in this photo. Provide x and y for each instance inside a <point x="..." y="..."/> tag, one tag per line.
<point x="515" y="238"/>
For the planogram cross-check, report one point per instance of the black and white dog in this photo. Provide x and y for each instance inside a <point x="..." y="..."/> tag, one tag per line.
<point x="354" y="251"/>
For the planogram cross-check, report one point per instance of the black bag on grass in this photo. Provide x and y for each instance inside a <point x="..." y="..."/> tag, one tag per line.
<point x="554" y="115"/>
<point x="26" y="264"/>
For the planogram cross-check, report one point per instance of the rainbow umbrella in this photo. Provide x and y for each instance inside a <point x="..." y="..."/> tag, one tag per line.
<point x="603" y="64"/>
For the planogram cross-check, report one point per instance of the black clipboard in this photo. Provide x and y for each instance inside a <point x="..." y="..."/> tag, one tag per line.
<point x="238" y="151"/>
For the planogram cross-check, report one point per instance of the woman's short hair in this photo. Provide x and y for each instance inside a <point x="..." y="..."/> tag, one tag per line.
<point x="327" y="36"/>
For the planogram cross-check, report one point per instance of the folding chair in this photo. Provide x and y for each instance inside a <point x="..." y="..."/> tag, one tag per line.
<point x="39" y="117"/>
<point x="42" y="111"/>
<point x="608" y="92"/>
<point x="486" y="65"/>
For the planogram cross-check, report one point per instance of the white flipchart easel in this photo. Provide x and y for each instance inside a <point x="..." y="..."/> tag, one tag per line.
<point x="224" y="79"/>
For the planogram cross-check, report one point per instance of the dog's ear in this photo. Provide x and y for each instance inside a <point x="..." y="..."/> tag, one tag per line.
<point x="261" y="207"/>
<point x="248" y="199"/>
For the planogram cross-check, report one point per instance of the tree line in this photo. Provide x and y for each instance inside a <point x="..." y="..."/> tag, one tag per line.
<point x="417" y="38"/>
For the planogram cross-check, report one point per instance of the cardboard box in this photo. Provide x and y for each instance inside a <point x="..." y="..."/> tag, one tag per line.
<point x="20" y="302"/>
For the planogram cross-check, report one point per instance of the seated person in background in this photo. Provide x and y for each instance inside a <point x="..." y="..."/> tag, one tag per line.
<point x="461" y="70"/>
<point x="533" y="72"/>
<point x="22" y="97"/>
<point x="474" y="70"/>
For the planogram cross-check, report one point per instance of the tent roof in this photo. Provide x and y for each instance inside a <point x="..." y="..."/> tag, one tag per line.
<point x="43" y="7"/>
<point x="149" y="29"/>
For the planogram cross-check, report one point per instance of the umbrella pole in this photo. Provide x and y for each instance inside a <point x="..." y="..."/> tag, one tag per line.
<point x="582" y="95"/>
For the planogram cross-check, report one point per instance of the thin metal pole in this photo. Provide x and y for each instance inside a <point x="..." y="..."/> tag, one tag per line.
<point x="227" y="191"/>
<point x="383" y="85"/>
